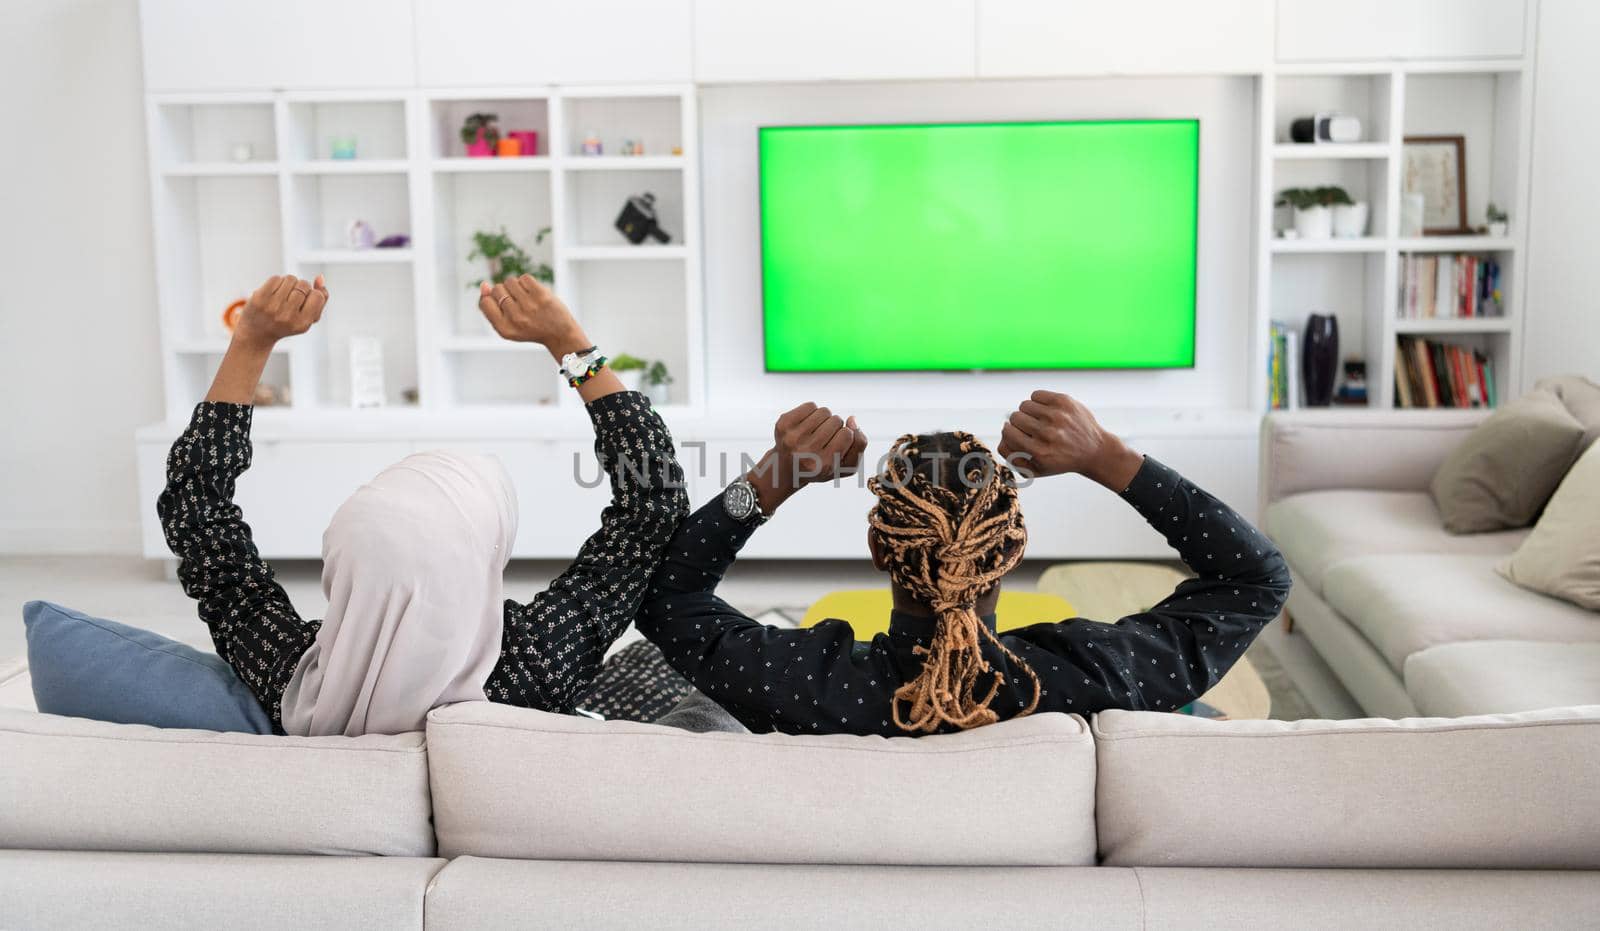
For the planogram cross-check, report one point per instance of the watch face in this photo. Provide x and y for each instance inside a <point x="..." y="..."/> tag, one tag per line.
<point x="739" y="500"/>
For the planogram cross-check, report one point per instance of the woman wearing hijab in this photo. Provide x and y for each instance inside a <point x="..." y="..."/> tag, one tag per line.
<point x="413" y="561"/>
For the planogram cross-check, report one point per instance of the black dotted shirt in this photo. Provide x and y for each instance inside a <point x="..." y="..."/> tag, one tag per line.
<point x="821" y="681"/>
<point x="552" y="646"/>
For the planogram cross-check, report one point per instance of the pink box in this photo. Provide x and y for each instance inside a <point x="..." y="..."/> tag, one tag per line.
<point x="528" y="138"/>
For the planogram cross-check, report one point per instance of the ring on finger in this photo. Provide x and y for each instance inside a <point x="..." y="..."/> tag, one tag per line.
<point x="502" y="301"/>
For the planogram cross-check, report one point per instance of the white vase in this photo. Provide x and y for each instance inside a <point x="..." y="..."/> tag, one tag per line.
<point x="632" y="380"/>
<point x="1498" y="229"/>
<point x="1350" y="220"/>
<point x="1314" y="222"/>
<point x="659" y="394"/>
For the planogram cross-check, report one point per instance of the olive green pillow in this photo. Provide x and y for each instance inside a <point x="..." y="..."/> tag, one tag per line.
<point x="1561" y="557"/>
<point x="1581" y="397"/>
<point x="1501" y="475"/>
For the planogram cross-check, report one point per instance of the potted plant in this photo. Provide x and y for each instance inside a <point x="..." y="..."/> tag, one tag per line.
<point x="480" y="133"/>
<point x="1321" y="212"/>
<point x="656" y="380"/>
<point x="630" y="370"/>
<point x="507" y="259"/>
<point x="1499" y="223"/>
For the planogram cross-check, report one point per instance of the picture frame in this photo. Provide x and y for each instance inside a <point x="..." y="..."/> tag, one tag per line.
<point x="1436" y="168"/>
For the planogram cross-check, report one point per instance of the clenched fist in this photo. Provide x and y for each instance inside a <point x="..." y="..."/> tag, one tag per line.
<point x="810" y="444"/>
<point x="1052" y="434"/>
<point x="523" y="310"/>
<point x="283" y="306"/>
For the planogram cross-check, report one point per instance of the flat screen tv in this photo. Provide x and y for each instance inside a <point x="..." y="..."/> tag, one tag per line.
<point x="964" y="246"/>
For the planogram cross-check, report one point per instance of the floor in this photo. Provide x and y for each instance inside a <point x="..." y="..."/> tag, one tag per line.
<point x="138" y="592"/>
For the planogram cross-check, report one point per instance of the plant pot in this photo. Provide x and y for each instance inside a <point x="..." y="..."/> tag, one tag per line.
<point x="479" y="149"/>
<point x="1319" y="359"/>
<point x="508" y="148"/>
<point x="1350" y="220"/>
<point x="658" y="394"/>
<point x="1315" y="222"/>
<point x="632" y="380"/>
<point x="1499" y="229"/>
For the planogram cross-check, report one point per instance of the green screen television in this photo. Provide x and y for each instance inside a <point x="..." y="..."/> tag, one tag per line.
<point x="979" y="246"/>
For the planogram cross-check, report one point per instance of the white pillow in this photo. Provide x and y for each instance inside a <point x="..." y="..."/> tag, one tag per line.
<point x="1561" y="557"/>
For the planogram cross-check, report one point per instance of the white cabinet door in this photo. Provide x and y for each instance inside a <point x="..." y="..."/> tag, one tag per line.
<point x="1323" y="30"/>
<point x="488" y="42"/>
<point x="1019" y="38"/>
<point x="293" y="487"/>
<point x="830" y="40"/>
<point x="222" y="45"/>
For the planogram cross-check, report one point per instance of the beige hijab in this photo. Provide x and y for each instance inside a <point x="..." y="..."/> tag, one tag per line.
<point x="412" y="568"/>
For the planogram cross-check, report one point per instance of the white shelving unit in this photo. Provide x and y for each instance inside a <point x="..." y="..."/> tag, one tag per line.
<point x="246" y="186"/>
<point x="1489" y="101"/>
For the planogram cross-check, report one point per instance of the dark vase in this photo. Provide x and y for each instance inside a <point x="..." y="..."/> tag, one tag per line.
<point x="1319" y="359"/>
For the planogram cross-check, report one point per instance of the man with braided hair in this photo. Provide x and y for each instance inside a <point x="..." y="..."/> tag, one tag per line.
<point x="947" y="528"/>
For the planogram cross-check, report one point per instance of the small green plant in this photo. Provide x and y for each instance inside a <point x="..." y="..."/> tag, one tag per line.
<point x="657" y="374"/>
<point x="622" y="362"/>
<point x="1495" y="214"/>
<point x="483" y="121"/>
<point x="507" y="259"/>
<point x="1303" y="197"/>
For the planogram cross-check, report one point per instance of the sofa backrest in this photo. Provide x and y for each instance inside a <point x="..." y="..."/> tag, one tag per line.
<point x="74" y="784"/>
<point x="513" y="783"/>
<point x="1516" y="791"/>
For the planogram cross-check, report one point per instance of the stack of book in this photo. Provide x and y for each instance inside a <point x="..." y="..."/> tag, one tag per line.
<point x="1283" y="368"/>
<point x="1428" y="373"/>
<point x="1449" y="286"/>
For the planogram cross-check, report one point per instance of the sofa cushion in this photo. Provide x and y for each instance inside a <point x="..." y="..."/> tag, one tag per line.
<point x="473" y="894"/>
<point x="1503" y="791"/>
<point x="1582" y="399"/>
<point x="74" y="784"/>
<point x="1561" y="556"/>
<point x="1406" y="603"/>
<point x="1504" y="471"/>
<point x="89" y="667"/>
<point x="79" y="889"/>
<point x="1494" y="676"/>
<point x="1319" y="529"/>
<point x="510" y="782"/>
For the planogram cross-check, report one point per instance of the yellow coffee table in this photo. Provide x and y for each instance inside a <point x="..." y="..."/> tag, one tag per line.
<point x="867" y="610"/>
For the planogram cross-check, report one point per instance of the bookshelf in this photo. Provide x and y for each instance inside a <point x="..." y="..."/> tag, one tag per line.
<point x="1359" y="281"/>
<point x="246" y="185"/>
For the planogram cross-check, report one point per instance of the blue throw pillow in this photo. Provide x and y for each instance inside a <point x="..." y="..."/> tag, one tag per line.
<point x="87" y="667"/>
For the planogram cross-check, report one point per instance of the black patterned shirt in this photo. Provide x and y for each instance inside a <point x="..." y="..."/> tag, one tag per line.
<point x="552" y="646"/>
<point x="819" y="680"/>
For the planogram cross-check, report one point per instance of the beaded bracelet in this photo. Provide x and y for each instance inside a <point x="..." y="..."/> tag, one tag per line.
<point x="588" y="373"/>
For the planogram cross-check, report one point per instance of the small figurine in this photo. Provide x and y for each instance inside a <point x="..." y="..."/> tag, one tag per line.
<point x="360" y="235"/>
<point x="591" y="144"/>
<point x="343" y="148"/>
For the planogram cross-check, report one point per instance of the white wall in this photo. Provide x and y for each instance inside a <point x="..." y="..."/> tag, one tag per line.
<point x="1563" y="299"/>
<point x="730" y="116"/>
<point x="79" y="367"/>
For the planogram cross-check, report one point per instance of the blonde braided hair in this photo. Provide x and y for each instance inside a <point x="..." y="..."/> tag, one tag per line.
<point x="948" y="539"/>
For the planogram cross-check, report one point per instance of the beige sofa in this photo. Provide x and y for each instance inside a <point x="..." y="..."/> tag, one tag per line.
<point x="1413" y="620"/>
<point x="501" y="817"/>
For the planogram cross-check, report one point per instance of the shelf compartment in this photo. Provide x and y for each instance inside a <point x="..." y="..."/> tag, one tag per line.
<point x="221" y="239"/>
<point x="378" y="128"/>
<point x="1350" y="287"/>
<point x="1365" y="96"/>
<point x="1495" y="346"/>
<point x="594" y="199"/>
<point x="1485" y="109"/>
<point x="464" y="204"/>
<point x="323" y="208"/>
<point x="655" y="122"/>
<point x="198" y="133"/>
<point x="638" y="308"/>
<point x="493" y="377"/>
<point x="1363" y="179"/>
<point x="197" y="365"/>
<point x="363" y="300"/>
<point x="446" y="116"/>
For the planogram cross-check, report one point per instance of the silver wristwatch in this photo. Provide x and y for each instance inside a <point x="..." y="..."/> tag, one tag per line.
<point x="740" y="501"/>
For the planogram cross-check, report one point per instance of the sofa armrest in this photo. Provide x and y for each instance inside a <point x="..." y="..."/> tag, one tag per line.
<point x="1309" y="450"/>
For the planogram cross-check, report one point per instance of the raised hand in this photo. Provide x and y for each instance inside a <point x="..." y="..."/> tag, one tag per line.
<point x="1053" y="434"/>
<point x="283" y="306"/>
<point x="523" y="310"/>
<point x="810" y="444"/>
